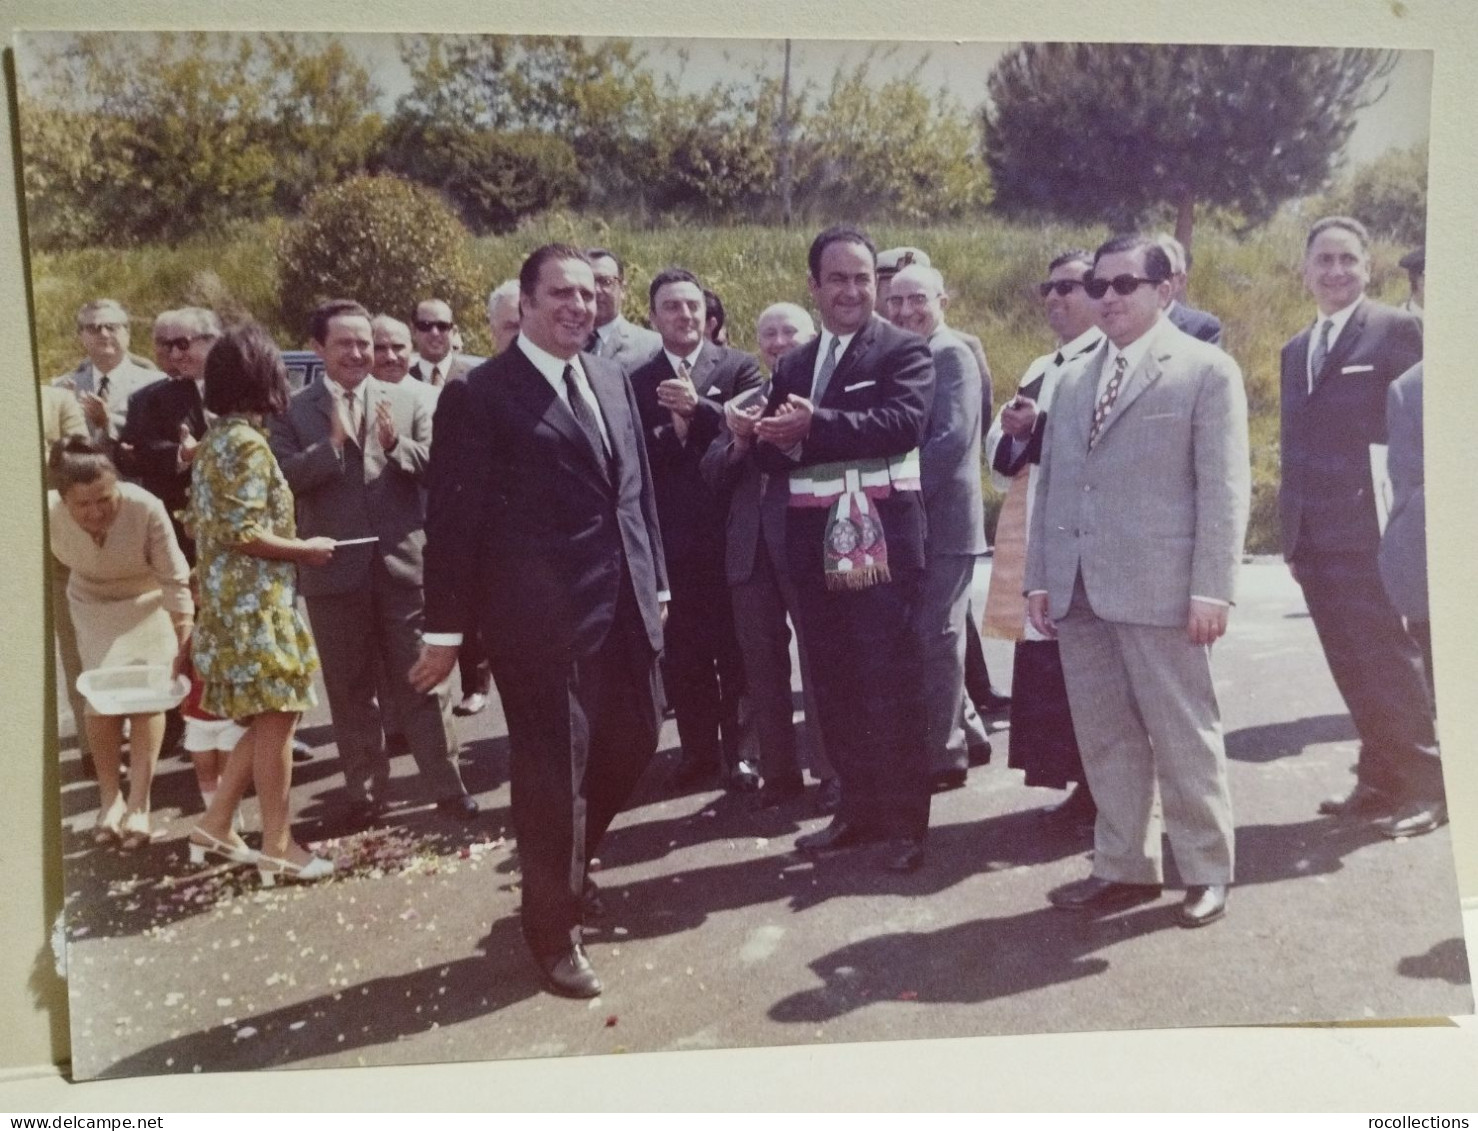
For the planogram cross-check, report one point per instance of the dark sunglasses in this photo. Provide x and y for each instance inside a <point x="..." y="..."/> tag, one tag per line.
<point x="427" y="326"/>
<point x="1122" y="284"/>
<point x="1063" y="287"/>
<point x="181" y="344"/>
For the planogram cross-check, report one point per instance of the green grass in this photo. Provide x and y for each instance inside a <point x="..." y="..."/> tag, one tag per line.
<point x="1252" y="284"/>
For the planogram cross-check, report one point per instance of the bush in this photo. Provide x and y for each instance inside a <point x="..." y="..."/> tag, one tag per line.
<point x="1388" y="195"/>
<point x="382" y="241"/>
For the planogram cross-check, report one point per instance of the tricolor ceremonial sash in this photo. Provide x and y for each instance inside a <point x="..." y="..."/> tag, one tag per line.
<point x="854" y="550"/>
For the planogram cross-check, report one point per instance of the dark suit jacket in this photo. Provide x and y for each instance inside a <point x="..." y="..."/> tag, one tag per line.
<point x="358" y="493"/>
<point x="1326" y="501"/>
<point x="1196" y="323"/>
<point x="692" y="513"/>
<point x="877" y="404"/>
<point x="152" y="430"/>
<point x="528" y="531"/>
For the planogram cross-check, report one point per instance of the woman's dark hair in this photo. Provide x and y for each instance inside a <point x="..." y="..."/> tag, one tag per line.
<point x="75" y="461"/>
<point x="244" y="373"/>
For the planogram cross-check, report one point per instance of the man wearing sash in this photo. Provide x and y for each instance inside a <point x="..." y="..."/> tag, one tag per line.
<point x="845" y="418"/>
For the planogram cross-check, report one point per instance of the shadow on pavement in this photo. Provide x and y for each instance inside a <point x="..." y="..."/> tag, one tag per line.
<point x="1272" y="741"/>
<point x="1447" y="960"/>
<point x="371" y="1014"/>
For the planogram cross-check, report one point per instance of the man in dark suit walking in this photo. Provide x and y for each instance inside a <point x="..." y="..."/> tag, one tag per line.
<point x="844" y="421"/>
<point x="680" y="394"/>
<point x="354" y="450"/>
<point x="1335" y="377"/>
<point x="543" y="524"/>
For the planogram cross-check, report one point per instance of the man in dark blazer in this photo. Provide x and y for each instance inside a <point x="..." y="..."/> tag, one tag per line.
<point x="1197" y="323"/>
<point x="543" y="524"/>
<point x="354" y="451"/>
<point x="1335" y="377"/>
<point x="165" y="420"/>
<point x="844" y="421"/>
<point x="680" y="394"/>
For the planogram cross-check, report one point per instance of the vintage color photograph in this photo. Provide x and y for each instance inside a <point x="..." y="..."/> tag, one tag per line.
<point x="568" y="546"/>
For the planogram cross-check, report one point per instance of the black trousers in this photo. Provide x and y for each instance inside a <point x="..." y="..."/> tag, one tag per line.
<point x="702" y="667"/>
<point x="865" y="660"/>
<point x="1378" y="669"/>
<point x="581" y="735"/>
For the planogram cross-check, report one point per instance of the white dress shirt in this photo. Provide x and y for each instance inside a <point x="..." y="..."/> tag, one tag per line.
<point x="1338" y="319"/>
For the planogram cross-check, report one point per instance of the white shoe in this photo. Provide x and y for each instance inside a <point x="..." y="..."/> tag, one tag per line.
<point x="204" y="845"/>
<point x="135" y="830"/>
<point x="471" y="704"/>
<point x="271" y="869"/>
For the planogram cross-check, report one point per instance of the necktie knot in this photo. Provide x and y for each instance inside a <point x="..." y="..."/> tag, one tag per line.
<point x="1058" y="359"/>
<point x="1321" y="352"/>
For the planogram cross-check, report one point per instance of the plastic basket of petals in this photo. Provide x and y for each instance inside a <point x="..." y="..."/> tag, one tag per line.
<point x="140" y="689"/>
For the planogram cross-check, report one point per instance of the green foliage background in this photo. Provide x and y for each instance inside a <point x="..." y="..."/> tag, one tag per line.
<point x="1253" y="283"/>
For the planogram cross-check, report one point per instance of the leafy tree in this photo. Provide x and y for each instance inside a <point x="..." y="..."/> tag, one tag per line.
<point x="1108" y="132"/>
<point x="890" y="150"/>
<point x="382" y="241"/>
<point x="1388" y="195"/>
<point x="133" y="139"/>
<point x="712" y="153"/>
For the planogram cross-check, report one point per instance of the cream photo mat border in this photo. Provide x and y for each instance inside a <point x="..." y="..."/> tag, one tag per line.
<point x="1254" y="1068"/>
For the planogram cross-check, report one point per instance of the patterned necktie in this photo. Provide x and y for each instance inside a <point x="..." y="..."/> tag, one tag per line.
<point x="685" y="371"/>
<point x="1321" y="352"/>
<point x="585" y="417"/>
<point x="1105" y="403"/>
<point x="828" y="367"/>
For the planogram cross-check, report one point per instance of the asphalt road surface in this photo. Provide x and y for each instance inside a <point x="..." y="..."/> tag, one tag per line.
<point x="717" y="935"/>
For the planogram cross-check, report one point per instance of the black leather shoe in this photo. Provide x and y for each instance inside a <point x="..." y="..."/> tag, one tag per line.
<point x="1101" y="896"/>
<point x="692" y="774"/>
<point x="302" y="752"/>
<point x="744" y="779"/>
<point x="396" y="745"/>
<point x="946" y="780"/>
<point x="460" y="805"/>
<point x="835" y="836"/>
<point x="569" y="973"/>
<point x="1362" y="801"/>
<point x="778" y="791"/>
<point x="363" y="814"/>
<point x="1204" y="903"/>
<point x="829" y="796"/>
<point x="1078" y="810"/>
<point x="1414" y="819"/>
<point x="978" y="753"/>
<point x="904" y="855"/>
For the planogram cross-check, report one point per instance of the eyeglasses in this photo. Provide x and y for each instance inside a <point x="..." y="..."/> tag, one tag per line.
<point x="427" y="325"/>
<point x="1063" y="287"/>
<point x="1122" y="284"/>
<point x="181" y="344"/>
<point x="99" y="327"/>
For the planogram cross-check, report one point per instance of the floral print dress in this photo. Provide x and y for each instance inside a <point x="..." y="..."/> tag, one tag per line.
<point x="251" y="648"/>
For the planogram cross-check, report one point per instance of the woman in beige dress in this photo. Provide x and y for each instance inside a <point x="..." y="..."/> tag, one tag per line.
<point x="130" y="602"/>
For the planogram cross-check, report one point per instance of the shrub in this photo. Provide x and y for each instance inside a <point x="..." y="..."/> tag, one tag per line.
<point x="382" y="241"/>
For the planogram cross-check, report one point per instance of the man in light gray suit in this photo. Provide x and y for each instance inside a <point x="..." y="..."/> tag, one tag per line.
<point x="949" y="467"/>
<point x="355" y="451"/>
<point x="614" y="338"/>
<point x="1136" y="537"/>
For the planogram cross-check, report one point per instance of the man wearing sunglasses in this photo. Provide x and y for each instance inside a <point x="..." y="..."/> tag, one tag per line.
<point x="166" y="419"/>
<point x="1136" y="536"/>
<point x="104" y="380"/>
<point x="1336" y="376"/>
<point x="437" y="362"/>
<point x="1042" y="741"/>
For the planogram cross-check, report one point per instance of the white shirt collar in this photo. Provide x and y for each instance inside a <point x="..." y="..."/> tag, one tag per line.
<point x="546" y="363"/>
<point x="1136" y="350"/>
<point x="1081" y="344"/>
<point x="675" y="361"/>
<point x="1339" y="318"/>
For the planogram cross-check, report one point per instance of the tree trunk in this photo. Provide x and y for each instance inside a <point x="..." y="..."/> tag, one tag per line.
<point x="1185" y="221"/>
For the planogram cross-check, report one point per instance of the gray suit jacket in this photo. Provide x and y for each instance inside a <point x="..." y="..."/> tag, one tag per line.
<point x="1403" y="547"/>
<point x="1157" y="511"/>
<point x="949" y="459"/>
<point x="358" y="493"/>
<point x="631" y="345"/>
<point x="460" y="365"/>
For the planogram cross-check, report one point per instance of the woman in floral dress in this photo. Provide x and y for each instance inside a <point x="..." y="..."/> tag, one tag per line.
<point x="254" y="655"/>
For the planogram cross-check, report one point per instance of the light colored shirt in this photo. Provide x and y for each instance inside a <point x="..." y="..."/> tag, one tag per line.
<point x="826" y="338"/>
<point x="553" y="369"/>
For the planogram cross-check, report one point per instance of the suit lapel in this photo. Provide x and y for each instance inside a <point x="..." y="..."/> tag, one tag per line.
<point x="1084" y="385"/>
<point x="539" y="399"/>
<point x="703" y="370"/>
<point x="856" y="351"/>
<point x="1145" y="374"/>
